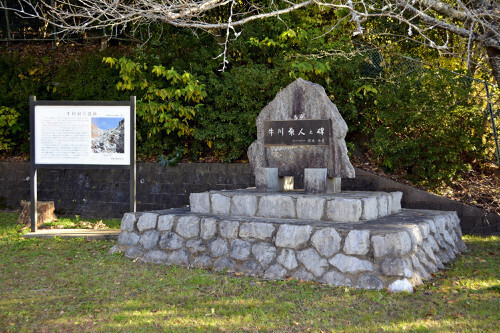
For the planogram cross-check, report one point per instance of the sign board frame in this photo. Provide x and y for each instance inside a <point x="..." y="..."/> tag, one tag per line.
<point x="42" y="158"/>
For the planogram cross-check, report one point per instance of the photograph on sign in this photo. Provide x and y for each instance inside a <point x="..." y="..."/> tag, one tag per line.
<point x="82" y="134"/>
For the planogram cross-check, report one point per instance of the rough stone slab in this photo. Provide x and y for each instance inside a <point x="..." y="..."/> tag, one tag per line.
<point x="400" y="285"/>
<point x="134" y="252"/>
<point x="351" y="265"/>
<point x="240" y="249"/>
<point x="203" y="261"/>
<point x="251" y="268"/>
<point x="200" y="202"/>
<point x="256" y="230"/>
<point x="369" y="208"/>
<point x="315" y="180"/>
<point x="188" y="226"/>
<point x="288" y="259"/>
<point x="312" y="261"/>
<point x="264" y="253"/>
<point x="208" y="228"/>
<point x="397" y="244"/>
<point x="343" y="210"/>
<point x="334" y="278"/>
<point x="147" y="221"/>
<point x="397" y="267"/>
<point x="179" y="257"/>
<point x="128" y="222"/>
<point x="244" y="205"/>
<point x="221" y="204"/>
<point x="276" y="206"/>
<point x="166" y="222"/>
<point x="310" y="208"/>
<point x="171" y="241"/>
<point x="128" y="238"/>
<point x="149" y="239"/>
<point x="326" y="241"/>
<point x="293" y="236"/>
<point x="368" y="281"/>
<point x="218" y="248"/>
<point x="225" y="263"/>
<point x="396" y="198"/>
<point x="196" y="245"/>
<point x="383" y="205"/>
<point x="275" y="272"/>
<point x="267" y="179"/>
<point x="303" y="275"/>
<point x="155" y="257"/>
<point x="357" y="242"/>
<point x="228" y="229"/>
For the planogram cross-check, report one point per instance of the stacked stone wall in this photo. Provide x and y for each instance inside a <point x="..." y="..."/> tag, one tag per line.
<point x="395" y="252"/>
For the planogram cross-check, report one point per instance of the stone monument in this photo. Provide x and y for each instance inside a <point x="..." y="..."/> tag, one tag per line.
<point x="301" y="134"/>
<point x="276" y="231"/>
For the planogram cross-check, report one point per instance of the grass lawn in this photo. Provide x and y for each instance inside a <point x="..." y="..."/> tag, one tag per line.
<point x="50" y="285"/>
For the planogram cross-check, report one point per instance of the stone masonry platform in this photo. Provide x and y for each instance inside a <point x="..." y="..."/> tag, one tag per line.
<point x="396" y="251"/>
<point x="339" y="207"/>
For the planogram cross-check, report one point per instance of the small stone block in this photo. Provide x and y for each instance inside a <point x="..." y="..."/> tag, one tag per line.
<point x="267" y="179"/>
<point x="333" y="185"/>
<point x="315" y="180"/>
<point x="200" y="202"/>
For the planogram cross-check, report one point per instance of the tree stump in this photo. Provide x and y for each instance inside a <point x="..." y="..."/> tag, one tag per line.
<point x="45" y="211"/>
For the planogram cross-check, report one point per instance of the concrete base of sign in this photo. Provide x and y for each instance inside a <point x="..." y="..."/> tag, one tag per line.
<point x="317" y="181"/>
<point x="396" y="252"/>
<point x="266" y="179"/>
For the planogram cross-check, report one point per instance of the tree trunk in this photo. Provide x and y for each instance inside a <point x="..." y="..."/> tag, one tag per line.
<point x="494" y="60"/>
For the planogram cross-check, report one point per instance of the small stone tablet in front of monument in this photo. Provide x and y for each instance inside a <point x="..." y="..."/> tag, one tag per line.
<point x="301" y="129"/>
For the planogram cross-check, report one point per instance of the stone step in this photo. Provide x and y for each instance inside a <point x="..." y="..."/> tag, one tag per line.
<point x="395" y="252"/>
<point x="347" y="207"/>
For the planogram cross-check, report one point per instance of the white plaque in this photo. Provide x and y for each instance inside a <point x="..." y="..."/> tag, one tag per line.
<point x="82" y="134"/>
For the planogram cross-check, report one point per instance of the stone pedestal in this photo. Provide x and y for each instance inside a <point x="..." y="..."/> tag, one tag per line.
<point x="266" y="179"/>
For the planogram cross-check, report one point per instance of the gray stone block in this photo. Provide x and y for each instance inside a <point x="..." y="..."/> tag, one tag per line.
<point x="165" y="222"/>
<point x="400" y="285"/>
<point x="315" y="180"/>
<point x="343" y="210"/>
<point x="179" y="257"/>
<point x="208" y="228"/>
<point x="147" y="221"/>
<point x="276" y="206"/>
<point x="240" y="249"/>
<point x="128" y="222"/>
<point x="369" y="208"/>
<point x="221" y="204"/>
<point x="244" y="205"/>
<point x="218" y="247"/>
<point x="396" y="201"/>
<point x="287" y="259"/>
<point x="368" y="281"/>
<point x="293" y="236"/>
<point x="256" y="230"/>
<point x="188" y="226"/>
<point x="225" y="264"/>
<point x="251" y="268"/>
<point x="264" y="253"/>
<point x="333" y="185"/>
<point x="397" y="244"/>
<point x="303" y="275"/>
<point x="196" y="245"/>
<point x="310" y="208"/>
<point x="312" y="261"/>
<point x="203" y="261"/>
<point x="200" y="202"/>
<point x="326" y="241"/>
<point x="228" y="229"/>
<point x="128" y="238"/>
<point x="391" y="266"/>
<point x="134" y="252"/>
<point x="383" y="205"/>
<point x="350" y="265"/>
<point x="266" y="179"/>
<point x="275" y="272"/>
<point x="357" y="242"/>
<point x="155" y="257"/>
<point x="149" y="239"/>
<point x="335" y="278"/>
<point x="171" y="241"/>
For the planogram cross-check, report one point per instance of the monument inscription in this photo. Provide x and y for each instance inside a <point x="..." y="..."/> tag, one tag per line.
<point x="297" y="132"/>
